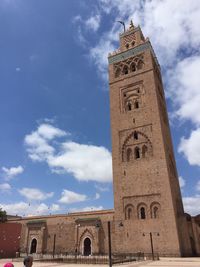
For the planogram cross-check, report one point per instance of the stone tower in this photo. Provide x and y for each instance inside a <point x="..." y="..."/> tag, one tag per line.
<point x="147" y="197"/>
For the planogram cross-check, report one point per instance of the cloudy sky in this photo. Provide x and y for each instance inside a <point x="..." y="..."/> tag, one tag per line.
<point x="55" y="144"/>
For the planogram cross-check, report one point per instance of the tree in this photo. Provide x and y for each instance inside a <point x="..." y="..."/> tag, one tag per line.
<point x="3" y="215"/>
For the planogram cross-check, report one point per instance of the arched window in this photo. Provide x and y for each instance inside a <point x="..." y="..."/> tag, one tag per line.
<point x="133" y="43"/>
<point x="155" y="212"/>
<point x="140" y="65"/>
<point x="144" y="151"/>
<point x="117" y="72"/>
<point x="125" y="70"/>
<point x="133" y="67"/>
<point x="136" y="104"/>
<point x="129" y="106"/>
<point x="127" y="46"/>
<point x="135" y="135"/>
<point x="129" y="154"/>
<point x="129" y="212"/>
<point x="137" y="152"/>
<point x="142" y="213"/>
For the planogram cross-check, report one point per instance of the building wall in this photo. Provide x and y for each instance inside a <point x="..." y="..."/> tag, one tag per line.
<point x="9" y="239"/>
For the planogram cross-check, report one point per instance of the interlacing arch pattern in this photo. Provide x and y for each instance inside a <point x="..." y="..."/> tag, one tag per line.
<point x="129" y="65"/>
<point x="136" y="146"/>
<point x="142" y="211"/>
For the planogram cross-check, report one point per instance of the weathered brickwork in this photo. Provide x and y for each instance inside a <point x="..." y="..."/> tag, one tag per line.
<point x="147" y="197"/>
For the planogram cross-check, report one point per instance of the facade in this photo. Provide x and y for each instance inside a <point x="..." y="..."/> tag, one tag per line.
<point x="147" y="197"/>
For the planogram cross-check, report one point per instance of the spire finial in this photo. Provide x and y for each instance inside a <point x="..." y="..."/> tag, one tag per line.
<point x="131" y="25"/>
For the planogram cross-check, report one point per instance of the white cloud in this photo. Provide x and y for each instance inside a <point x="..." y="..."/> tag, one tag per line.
<point x="34" y="194"/>
<point x="93" y="22"/>
<point x="26" y="209"/>
<point x="190" y="147"/>
<point x="37" y="142"/>
<point x="181" y="181"/>
<point x="18" y="69"/>
<point x="49" y="132"/>
<point x="69" y="197"/>
<point x="9" y="173"/>
<point x="69" y="157"/>
<point x="192" y="205"/>
<point x="184" y="91"/>
<point x="89" y="208"/>
<point x="5" y="187"/>
<point x="85" y="162"/>
<point x="101" y="188"/>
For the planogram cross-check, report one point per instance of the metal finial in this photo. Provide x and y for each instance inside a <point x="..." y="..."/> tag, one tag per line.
<point x="131" y="25"/>
<point x="122" y="24"/>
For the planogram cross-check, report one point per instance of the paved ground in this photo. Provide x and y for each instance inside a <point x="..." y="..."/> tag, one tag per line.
<point x="163" y="262"/>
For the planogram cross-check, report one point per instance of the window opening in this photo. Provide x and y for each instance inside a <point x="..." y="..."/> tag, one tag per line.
<point x="136" y="104"/>
<point x="155" y="212"/>
<point x="135" y="135"/>
<point x="142" y="213"/>
<point x="33" y="246"/>
<point x="140" y="65"/>
<point x="133" y="67"/>
<point x="125" y="70"/>
<point x="137" y="153"/>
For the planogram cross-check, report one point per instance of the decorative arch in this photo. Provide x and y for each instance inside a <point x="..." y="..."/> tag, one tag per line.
<point x="155" y="210"/>
<point x="140" y="64"/>
<point x="129" y="209"/>
<point x="129" y="65"/>
<point x="128" y="139"/>
<point x="84" y="245"/>
<point x="117" y="72"/>
<point x="142" y="211"/>
<point x="125" y="70"/>
<point x="133" y="67"/>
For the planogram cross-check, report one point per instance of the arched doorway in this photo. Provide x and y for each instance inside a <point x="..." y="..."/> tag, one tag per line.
<point x="87" y="247"/>
<point x="33" y="246"/>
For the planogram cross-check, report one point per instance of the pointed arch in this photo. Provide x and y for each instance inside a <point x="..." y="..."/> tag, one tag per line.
<point x="140" y="64"/>
<point x="117" y="72"/>
<point x="133" y="67"/>
<point x="125" y="70"/>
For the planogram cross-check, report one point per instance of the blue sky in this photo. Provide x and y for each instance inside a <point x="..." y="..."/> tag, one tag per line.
<point x="55" y="142"/>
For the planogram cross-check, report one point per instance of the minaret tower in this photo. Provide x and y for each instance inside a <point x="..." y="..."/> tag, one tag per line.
<point x="147" y="196"/>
